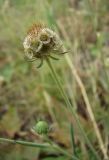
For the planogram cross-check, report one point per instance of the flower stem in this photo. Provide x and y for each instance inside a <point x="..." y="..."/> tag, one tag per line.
<point x="70" y="108"/>
<point x="33" y="144"/>
<point x="60" y="149"/>
<point x="64" y="152"/>
<point x="25" y="143"/>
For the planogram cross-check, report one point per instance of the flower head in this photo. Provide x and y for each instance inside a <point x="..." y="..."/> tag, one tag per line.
<point x="41" y="127"/>
<point x="42" y="42"/>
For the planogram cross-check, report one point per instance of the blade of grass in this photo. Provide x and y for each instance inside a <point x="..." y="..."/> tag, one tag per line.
<point x="37" y="145"/>
<point x="72" y="139"/>
<point x="70" y="108"/>
<point x="83" y="91"/>
<point x="25" y="143"/>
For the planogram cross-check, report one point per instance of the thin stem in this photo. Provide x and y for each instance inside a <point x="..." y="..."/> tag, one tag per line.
<point x="69" y="106"/>
<point x="32" y="144"/>
<point x="72" y="139"/>
<point x="60" y="149"/>
<point x="83" y="91"/>
<point x="104" y="67"/>
<point x="89" y="108"/>
<point x="25" y="143"/>
<point x="64" y="152"/>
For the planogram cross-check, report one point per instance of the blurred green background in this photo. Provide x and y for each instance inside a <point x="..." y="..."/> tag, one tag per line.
<point x="28" y="94"/>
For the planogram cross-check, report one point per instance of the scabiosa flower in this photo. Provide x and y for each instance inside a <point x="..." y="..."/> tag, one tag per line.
<point x="41" y="42"/>
<point x="42" y="128"/>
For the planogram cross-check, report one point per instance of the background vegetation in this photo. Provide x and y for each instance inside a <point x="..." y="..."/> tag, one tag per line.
<point x="28" y="94"/>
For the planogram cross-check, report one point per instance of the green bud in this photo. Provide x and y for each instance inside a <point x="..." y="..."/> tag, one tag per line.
<point x="41" y="127"/>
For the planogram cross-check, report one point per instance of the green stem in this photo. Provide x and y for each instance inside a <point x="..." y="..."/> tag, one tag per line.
<point x="72" y="139"/>
<point x="60" y="149"/>
<point x="69" y="106"/>
<point x="25" y="143"/>
<point x="32" y="144"/>
<point x="64" y="152"/>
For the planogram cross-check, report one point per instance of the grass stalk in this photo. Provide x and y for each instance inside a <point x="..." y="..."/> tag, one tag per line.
<point x="70" y="108"/>
<point x="37" y="145"/>
<point x="60" y="149"/>
<point x="89" y="109"/>
<point x="84" y="94"/>
<point x="25" y="143"/>
<point x="72" y="139"/>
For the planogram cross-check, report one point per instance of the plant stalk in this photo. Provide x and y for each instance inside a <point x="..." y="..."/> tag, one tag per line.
<point x="33" y="144"/>
<point x="25" y="143"/>
<point x="69" y="106"/>
<point x="60" y="149"/>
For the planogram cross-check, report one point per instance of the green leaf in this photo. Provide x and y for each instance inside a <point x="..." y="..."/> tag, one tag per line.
<point x="72" y="139"/>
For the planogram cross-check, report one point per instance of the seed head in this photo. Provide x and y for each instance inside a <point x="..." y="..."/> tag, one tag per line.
<point x="42" y="42"/>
